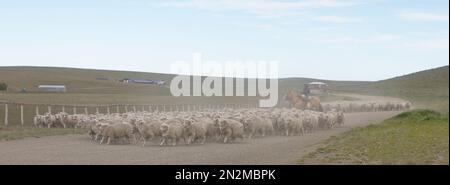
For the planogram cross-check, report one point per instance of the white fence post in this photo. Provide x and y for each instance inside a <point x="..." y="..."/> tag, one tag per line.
<point x="74" y="110"/>
<point x="6" y="114"/>
<point x="21" y="114"/>
<point x="86" y="111"/>
<point x="37" y="110"/>
<point x="49" y="109"/>
<point x="107" y="110"/>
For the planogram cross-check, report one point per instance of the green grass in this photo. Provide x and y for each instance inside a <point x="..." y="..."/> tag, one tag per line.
<point x="425" y="89"/>
<point x="414" y="137"/>
<point x="12" y="133"/>
<point x="80" y="80"/>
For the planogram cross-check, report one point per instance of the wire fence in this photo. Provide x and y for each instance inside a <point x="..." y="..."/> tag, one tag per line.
<point x="16" y="113"/>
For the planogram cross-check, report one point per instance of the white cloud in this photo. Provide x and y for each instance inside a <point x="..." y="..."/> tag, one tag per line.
<point x="429" y="44"/>
<point x="262" y="8"/>
<point x="337" y="19"/>
<point x="421" y="16"/>
<point x="357" y="40"/>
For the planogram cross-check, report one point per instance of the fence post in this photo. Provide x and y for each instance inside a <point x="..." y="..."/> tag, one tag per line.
<point x="74" y="110"/>
<point x="117" y="109"/>
<point x="21" y="114"/>
<point x="63" y="109"/>
<point x="37" y="110"/>
<point x="143" y="109"/>
<point x="49" y="109"/>
<point x="96" y="110"/>
<point x="150" y="108"/>
<point x="107" y="110"/>
<point x="157" y="108"/>
<point x="134" y="108"/>
<point x="164" y="108"/>
<point x="6" y="114"/>
<point x="126" y="109"/>
<point x="86" y="111"/>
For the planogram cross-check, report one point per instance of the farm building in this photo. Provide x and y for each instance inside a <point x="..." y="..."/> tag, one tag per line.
<point x="139" y="81"/>
<point x="52" y="88"/>
<point x="318" y="87"/>
<point x="160" y="82"/>
<point x="143" y="81"/>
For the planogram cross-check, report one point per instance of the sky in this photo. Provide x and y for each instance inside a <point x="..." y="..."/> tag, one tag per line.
<point x="326" y="39"/>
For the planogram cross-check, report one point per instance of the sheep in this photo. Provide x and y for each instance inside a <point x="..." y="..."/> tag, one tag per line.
<point x="148" y="130"/>
<point x="49" y="119"/>
<point x="193" y="130"/>
<point x="308" y="124"/>
<point x="293" y="126"/>
<point x="222" y="126"/>
<point x="95" y="130"/>
<point x="340" y="119"/>
<point x="39" y="121"/>
<point x="255" y="124"/>
<point x="212" y="130"/>
<point x="230" y="129"/>
<point x="171" y="129"/>
<point x="117" y="131"/>
<point x="68" y="121"/>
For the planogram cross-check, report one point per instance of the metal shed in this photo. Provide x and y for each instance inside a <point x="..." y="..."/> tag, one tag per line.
<point x="52" y="88"/>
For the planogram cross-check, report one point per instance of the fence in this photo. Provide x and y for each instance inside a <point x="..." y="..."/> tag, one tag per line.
<point x="23" y="113"/>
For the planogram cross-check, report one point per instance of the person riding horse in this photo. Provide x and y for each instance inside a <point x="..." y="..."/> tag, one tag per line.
<point x="306" y="92"/>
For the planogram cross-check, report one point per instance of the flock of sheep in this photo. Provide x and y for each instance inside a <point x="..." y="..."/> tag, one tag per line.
<point x="361" y="106"/>
<point x="226" y="125"/>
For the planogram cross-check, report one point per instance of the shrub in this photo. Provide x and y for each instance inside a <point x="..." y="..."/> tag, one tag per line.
<point x="3" y="87"/>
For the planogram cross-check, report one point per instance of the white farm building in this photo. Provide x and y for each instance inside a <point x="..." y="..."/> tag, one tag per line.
<point x="318" y="87"/>
<point x="52" y="88"/>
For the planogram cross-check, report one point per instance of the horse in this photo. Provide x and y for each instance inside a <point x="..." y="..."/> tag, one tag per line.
<point x="298" y="101"/>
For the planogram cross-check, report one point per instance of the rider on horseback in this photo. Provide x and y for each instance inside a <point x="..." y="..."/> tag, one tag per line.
<point x="306" y="92"/>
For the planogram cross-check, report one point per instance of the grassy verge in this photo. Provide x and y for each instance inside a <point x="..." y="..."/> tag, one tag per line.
<point x="414" y="137"/>
<point x="12" y="133"/>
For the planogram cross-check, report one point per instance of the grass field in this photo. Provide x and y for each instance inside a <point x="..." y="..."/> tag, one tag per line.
<point x="415" y="137"/>
<point x="425" y="89"/>
<point x="420" y="136"/>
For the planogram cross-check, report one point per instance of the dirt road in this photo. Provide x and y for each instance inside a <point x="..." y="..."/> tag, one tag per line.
<point x="79" y="149"/>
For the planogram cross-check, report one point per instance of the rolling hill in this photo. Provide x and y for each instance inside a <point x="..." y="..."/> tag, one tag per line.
<point x="427" y="88"/>
<point x="81" y="80"/>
